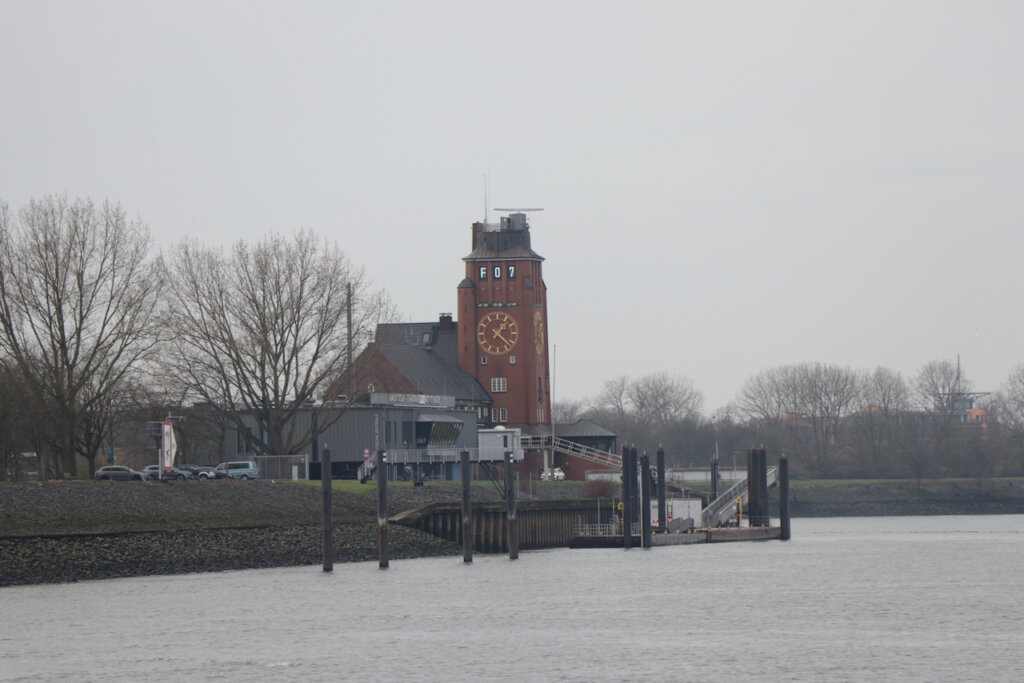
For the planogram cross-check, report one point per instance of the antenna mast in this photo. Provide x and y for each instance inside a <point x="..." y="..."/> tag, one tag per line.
<point x="487" y="211"/>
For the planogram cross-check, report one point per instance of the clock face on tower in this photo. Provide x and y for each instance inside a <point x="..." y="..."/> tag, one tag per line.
<point x="497" y="333"/>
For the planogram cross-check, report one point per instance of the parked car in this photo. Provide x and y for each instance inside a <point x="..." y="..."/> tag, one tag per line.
<point x="153" y="472"/>
<point x="118" y="473"/>
<point x="196" y="470"/>
<point x="553" y="474"/>
<point x="204" y="472"/>
<point x="238" y="469"/>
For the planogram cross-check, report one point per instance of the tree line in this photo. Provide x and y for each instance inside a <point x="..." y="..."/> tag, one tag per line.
<point x="831" y="421"/>
<point x="98" y="331"/>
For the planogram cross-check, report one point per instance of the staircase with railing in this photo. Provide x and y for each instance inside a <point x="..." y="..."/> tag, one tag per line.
<point x="566" y="447"/>
<point x="718" y="510"/>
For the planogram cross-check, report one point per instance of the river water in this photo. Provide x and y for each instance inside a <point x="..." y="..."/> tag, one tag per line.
<point x="858" y="599"/>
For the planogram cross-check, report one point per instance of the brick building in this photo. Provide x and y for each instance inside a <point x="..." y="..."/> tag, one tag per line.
<point x="493" y="359"/>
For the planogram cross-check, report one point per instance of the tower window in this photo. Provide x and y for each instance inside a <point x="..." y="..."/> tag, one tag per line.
<point x="511" y="360"/>
<point x="483" y="360"/>
<point x="499" y="385"/>
<point x="528" y="281"/>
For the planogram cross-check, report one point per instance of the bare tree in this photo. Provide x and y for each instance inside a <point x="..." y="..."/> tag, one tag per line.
<point x="938" y="384"/>
<point x="880" y="421"/>
<point x="660" y="398"/>
<point x="565" y="412"/>
<point x="805" y="408"/>
<point x="649" y="411"/>
<point x="770" y="395"/>
<point x="613" y="397"/>
<point x="828" y="396"/>
<point x="1009" y="402"/>
<point x="76" y="303"/>
<point x="259" y="332"/>
<point x="946" y="444"/>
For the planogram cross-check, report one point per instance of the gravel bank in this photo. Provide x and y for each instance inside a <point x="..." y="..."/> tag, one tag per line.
<point x="73" y="531"/>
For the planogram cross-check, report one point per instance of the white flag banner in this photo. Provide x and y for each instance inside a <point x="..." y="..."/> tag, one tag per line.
<point x="169" y="446"/>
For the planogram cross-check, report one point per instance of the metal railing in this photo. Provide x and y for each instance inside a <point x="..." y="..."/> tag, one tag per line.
<point x="712" y="515"/>
<point x="433" y="455"/>
<point x="567" y="447"/>
<point x="609" y="529"/>
<point x="282" y="466"/>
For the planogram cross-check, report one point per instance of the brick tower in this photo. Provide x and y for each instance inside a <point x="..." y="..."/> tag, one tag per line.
<point x="503" y="319"/>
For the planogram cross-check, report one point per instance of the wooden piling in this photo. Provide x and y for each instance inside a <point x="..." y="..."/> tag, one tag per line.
<point x="627" y="501"/>
<point x="662" y="511"/>
<point x="645" y="502"/>
<point x="467" y="509"/>
<point x="512" y="531"/>
<point x="784" y="498"/>
<point x="766" y="519"/>
<point x="328" y="523"/>
<point x="382" y="509"/>
<point x="714" y="479"/>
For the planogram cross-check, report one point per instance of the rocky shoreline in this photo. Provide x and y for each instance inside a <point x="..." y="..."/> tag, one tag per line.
<point x="72" y="531"/>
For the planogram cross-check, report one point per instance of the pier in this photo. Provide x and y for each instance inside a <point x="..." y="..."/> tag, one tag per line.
<point x="592" y="524"/>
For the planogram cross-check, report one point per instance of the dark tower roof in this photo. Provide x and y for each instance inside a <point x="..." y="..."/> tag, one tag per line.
<point x="508" y="240"/>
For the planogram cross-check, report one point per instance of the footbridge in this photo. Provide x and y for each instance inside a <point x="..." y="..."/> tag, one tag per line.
<point x="566" y="447"/>
<point x="719" y="510"/>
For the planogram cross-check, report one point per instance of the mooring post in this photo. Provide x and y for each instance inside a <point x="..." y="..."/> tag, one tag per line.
<point x="325" y="487"/>
<point x="510" y="501"/>
<point x="467" y="510"/>
<point x="662" y="511"/>
<point x="635" y="484"/>
<point x="753" y="492"/>
<point x="714" y="479"/>
<point x="757" y="487"/>
<point x="382" y="509"/>
<point x="784" y="498"/>
<point x="766" y="519"/>
<point x="645" y="502"/>
<point x="627" y="502"/>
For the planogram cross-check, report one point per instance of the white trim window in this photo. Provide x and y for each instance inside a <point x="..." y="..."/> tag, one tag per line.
<point x="499" y="385"/>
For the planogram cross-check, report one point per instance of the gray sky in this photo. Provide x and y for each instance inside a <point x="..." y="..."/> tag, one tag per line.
<point x="726" y="186"/>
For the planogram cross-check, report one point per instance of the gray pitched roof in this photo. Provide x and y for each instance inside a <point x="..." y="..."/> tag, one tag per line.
<point x="429" y="358"/>
<point x="582" y="427"/>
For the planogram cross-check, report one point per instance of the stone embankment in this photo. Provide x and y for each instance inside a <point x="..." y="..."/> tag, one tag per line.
<point x="71" y="531"/>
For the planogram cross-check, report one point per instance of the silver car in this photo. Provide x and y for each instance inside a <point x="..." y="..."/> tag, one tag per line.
<point x="238" y="469"/>
<point x="118" y="473"/>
